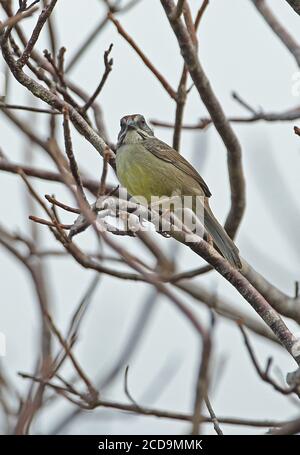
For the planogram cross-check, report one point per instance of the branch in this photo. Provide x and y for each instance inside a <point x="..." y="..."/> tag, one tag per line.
<point x="288" y="428"/>
<point x="250" y="293"/>
<point x="179" y="9"/>
<point x="102" y="187"/>
<point x="12" y="21"/>
<point x="201" y="387"/>
<point x="225" y="308"/>
<point x="108" y="67"/>
<point x="152" y="412"/>
<point x="36" y="33"/>
<point x="145" y="59"/>
<point x="200" y="13"/>
<point x="30" y="405"/>
<point x="45" y="66"/>
<point x="209" y="254"/>
<point x="221" y="123"/>
<point x="115" y="9"/>
<point x="213" y="416"/>
<point x="28" y="109"/>
<point x="77" y="367"/>
<point x="288" y="306"/>
<point x="182" y="92"/>
<point x="65" y="207"/>
<point x="42" y="174"/>
<point x="126" y="388"/>
<point x="285" y="305"/>
<point x="53" y="100"/>
<point x="71" y="156"/>
<point x="52" y="32"/>
<point x="283" y="34"/>
<point x="284" y="116"/>
<point x="38" y="220"/>
<point x="264" y="374"/>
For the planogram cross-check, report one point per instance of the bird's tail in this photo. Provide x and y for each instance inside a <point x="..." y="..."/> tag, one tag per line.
<point x="221" y="239"/>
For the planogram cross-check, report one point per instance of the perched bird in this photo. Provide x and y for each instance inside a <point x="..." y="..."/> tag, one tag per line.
<point x="148" y="167"/>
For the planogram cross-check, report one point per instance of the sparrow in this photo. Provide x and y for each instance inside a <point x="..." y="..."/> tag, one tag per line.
<point x="148" y="167"/>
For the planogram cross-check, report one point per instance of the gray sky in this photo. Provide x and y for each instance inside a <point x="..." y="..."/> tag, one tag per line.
<point x="240" y="53"/>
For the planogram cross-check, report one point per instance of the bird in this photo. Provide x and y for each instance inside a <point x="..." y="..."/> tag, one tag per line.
<point x="148" y="167"/>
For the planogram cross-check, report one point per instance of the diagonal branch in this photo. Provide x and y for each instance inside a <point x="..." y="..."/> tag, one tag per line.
<point x="264" y="374"/>
<point x="144" y="58"/>
<point x="108" y="67"/>
<point x="115" y="9"/>
<point x="12" y="21"/>
<point x="53" y="100"/>
<point x="278" y="28"/>
<point x="179" y="9"/>
<point x="230" y="140"/>
<point x="283" y="116"/>
<point x="36" y="33"/>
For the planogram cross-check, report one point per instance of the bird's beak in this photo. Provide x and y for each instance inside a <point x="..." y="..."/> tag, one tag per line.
<point x="130" y="125"/>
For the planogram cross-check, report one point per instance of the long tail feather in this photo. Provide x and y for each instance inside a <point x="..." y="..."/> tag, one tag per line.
<point x="221" y="239"/>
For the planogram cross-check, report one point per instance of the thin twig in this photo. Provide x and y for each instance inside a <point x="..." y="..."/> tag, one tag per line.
<point x="102" y="186"/>
<point x="12" y="21"/>
<point x="151" y="412"/>
<point x="213" y="416"/>
<point x="145" y="59"/>
<point x="179" y="9"/>
<point x="200" y="13"/>
<point x="28" y="108"/>
<point x="36" y="33"/>
<point x="65" y="207"/>
<point x="228" y="136"/>
<point x="38" y="220"/>
<point x="202" y="382"/>
<point x="43" y="174"/>
<point x="278" y="28"/>
<point x="108" y="67"/>
<point x="182" y="89"/>
<point x="69" y="353"/>
<point x="88" y="41"/>
<point x="70" y="154"/>
<point x="264" y="374"/>
<point x="126" y="388"/>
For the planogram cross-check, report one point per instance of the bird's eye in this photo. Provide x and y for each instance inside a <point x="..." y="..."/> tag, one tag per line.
<point x="142" y="121"/>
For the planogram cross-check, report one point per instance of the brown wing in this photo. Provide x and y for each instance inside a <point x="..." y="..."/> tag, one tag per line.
<point x="165" y="152"/>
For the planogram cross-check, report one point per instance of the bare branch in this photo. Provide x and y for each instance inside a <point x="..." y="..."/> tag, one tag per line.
<point x="264" y="375"/>
<point x="201" y="12"/>
<point x="115" y="9"/>
<point x="178" y="10"/>
<point x="36" y="33"/>
<point x="43" y="174"/>
<point x="172" y="415"/>
<point x="213" y="416"/>
<point x="70" y="153"/>
<point x="108" y="67"/>
<point x="28" y="108"/>
<point x="12" y="21"/>
<point x="145" y="59"/>
<point x="278" y="28"/>
<point x="284" y="116"/>
<point x="236" y="176"/>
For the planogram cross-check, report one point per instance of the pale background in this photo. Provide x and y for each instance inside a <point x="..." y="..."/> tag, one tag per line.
<point x="240" y="53"/>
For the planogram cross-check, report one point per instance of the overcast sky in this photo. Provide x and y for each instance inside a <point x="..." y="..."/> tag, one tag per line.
<point x="239" y="53"/>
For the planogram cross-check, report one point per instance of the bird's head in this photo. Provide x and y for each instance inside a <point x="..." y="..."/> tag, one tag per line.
<point x="133" y="129"/>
